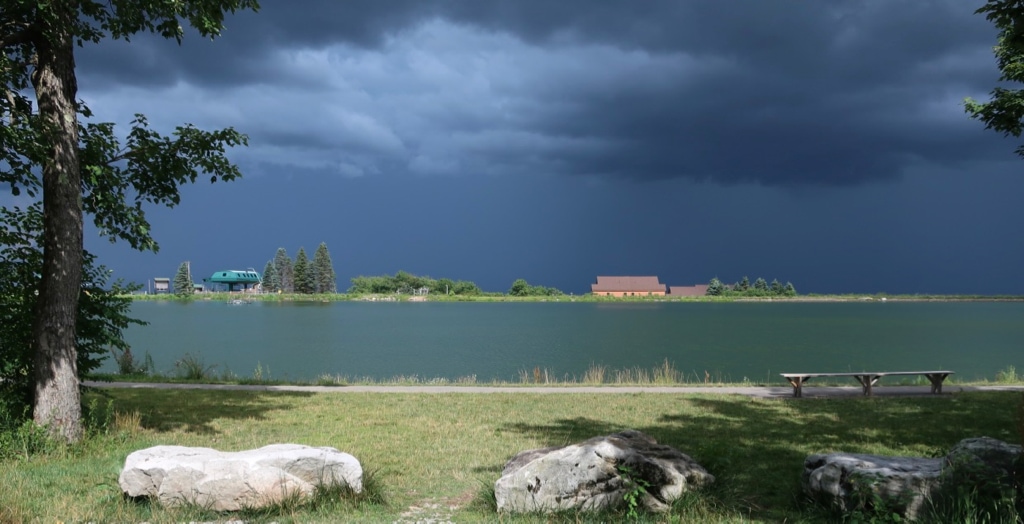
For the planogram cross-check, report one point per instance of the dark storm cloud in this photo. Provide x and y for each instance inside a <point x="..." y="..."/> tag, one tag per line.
<point x="777" y="93"/>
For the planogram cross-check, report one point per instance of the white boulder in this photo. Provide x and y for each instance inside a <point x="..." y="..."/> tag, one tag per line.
<point x="230" y="481"/>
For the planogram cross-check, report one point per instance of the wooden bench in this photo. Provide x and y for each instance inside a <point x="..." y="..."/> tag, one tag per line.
<point x="867" y="380"/>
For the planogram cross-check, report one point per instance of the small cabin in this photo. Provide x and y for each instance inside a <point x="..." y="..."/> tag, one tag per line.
<point x="161" y="285"/>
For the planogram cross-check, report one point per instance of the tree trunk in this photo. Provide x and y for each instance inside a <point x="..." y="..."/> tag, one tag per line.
<point x="57" y="402"/>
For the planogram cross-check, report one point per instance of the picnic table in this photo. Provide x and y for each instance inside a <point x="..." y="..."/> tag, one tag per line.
<point x="867" y="380"/>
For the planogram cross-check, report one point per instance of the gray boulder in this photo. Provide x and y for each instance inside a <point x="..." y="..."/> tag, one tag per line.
<point x="230" y="481"/>
<point x="597" y="474"/>
<point x="905" y="484"/>
<point x="849" y="480"/>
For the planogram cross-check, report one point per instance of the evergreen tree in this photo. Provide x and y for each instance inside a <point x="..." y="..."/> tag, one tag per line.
<point x="715" y="288"/>
<point x="775" y="287"/>
<point x="303" y="273"/>
<point x="271" y="282"/>
<point x="789" y="290"/>
<point x="285" y="272"/>
<point x="760" y="285"/>
<point x="183" y="282"/>
<point x="744" y="285"/>
<point x="323" y="271"/>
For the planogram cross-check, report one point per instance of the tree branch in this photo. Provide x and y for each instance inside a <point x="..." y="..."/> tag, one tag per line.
<point x="25" y="35"/>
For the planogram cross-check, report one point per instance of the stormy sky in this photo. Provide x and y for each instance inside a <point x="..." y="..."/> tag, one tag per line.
<point x="822" y="143"/>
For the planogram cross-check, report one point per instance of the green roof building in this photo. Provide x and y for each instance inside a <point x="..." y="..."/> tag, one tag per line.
<point x="234" y="278"/>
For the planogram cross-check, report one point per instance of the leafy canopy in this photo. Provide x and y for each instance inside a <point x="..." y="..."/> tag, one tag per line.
<point x="117" y="179"/>
<point x="1005" y="111"/>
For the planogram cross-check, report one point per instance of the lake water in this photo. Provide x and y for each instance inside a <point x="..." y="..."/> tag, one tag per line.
<point x="497" y="341"/>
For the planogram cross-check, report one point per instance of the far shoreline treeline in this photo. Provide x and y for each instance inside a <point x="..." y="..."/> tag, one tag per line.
<point x="281" y="285"/>
<point x="501" y="297"/>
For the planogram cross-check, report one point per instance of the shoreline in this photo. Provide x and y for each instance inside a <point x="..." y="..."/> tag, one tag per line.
<point x="751" y="391"/>
<point x="344" y="297"/>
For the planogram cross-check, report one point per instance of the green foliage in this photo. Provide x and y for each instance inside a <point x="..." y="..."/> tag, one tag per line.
<point x="285" y="272"/>
<point x="103" y="308"/>
<point x="192" y="367"/>
<point x="869" y="506"/>
<point x="761" y="288"/>
<point x="85" y="169"/>
<point x="128" y="365"/>
<point x="1008" y="375"/>
<point x="20" y="438"/>
<point x="743" y="285"/>
<point x="521" y="288"/>
<point x="271" y="281"/>
<point x="304" y="282"/>
<point x="973" y="491"/>
<point x="636" y="489"/>
<point x="183" y="286"/>
<point x="324" y="279"/>
<point x="403" y="282"/>
<point x="1004" y="112"/>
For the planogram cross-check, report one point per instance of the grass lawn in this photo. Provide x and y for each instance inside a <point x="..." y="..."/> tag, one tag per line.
<point x="437" y="455"/>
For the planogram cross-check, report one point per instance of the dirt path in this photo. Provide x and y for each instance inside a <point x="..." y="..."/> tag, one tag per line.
<point x="753" y="391"/>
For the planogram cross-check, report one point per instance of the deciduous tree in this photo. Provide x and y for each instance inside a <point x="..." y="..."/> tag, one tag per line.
<point x="1004" y="112"/>
<point x="520" y="288"/>
<point x="81" y="167"/>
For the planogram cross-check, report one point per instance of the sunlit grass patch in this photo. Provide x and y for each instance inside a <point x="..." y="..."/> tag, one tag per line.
<point x="438" y="454"/>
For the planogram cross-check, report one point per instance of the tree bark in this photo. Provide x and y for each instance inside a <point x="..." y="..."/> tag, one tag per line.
<point x="57" y="401"/>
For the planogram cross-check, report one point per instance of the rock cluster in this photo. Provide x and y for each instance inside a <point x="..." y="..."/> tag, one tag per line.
<point x="905" y="484"/>
<point x="597" y="474"/>
<point x="225" y="481"/>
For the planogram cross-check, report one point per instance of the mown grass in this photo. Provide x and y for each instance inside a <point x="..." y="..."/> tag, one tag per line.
<point x="436" y="455"/>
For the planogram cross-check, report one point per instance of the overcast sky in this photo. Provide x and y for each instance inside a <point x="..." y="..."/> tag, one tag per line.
<point x="822" y="143"/>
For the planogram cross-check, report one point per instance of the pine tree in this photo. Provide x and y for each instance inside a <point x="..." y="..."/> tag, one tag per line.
<point x="271" y="283"/>
<point x="183" y="282"/>
<point x="285" y="273"/>
<point x="715" y="288"/>
<point x="303" y="273"/>
<point x="743" y="285"/>
<point x="323" y="271"/>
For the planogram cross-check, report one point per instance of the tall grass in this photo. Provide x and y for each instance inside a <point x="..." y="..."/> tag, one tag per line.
<point x="192" y="367"/>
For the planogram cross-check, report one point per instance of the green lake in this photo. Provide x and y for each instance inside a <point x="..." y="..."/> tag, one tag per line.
<point x="500" y="341"/>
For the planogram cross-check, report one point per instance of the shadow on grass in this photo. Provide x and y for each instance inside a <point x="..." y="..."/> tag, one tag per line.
<point x="759" y="446"/>
<point x="167" y="410"/>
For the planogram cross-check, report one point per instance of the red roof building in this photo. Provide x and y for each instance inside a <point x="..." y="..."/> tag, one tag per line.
<point x="627" y="287"/>
<point x="688" y="291"/>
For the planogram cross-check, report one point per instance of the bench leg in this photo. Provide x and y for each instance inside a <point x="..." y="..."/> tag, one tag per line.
<point x="798" y="385"/>
<point x="936" y="379"/>
<point x="866" y="383"/>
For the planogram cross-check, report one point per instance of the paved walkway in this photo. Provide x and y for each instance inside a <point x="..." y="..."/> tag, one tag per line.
<point x="753" y="391"/>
